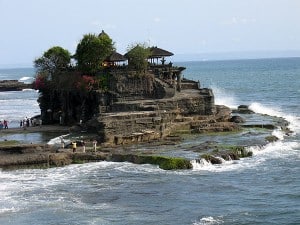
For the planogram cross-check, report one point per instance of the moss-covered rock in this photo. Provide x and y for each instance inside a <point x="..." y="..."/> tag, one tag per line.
<point x="212" y="159"/>
<point x="164" y="162"/>
<point x="271" y="138"/>
<point x="231" y="153"/>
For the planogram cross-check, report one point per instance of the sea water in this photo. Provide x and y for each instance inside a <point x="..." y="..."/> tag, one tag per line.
<point x="17" y="105"/>
<point x="263" y="189"/>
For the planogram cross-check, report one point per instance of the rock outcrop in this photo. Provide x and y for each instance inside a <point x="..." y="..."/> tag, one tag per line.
<point x="13" y="85"/>
<point x="142" y="119"/>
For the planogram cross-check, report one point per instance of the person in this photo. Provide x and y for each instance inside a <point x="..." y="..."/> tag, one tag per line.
<point x="1" y="125"/>
<point x="24" y="124"/>
<point x="40" y="122"/>
<point x="95" y="145"/>
<point x="21" y="123"/>
<point x="83" y="146"/>
<point x="5" y="123"/>
<point x="62" y="142"/>
<point x="74" y="146"/>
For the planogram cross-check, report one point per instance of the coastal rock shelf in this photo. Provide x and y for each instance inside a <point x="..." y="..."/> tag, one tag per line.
<point x="13" y="85"/>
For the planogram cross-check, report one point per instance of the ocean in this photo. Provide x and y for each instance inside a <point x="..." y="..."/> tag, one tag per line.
<point x="262" y="189"/>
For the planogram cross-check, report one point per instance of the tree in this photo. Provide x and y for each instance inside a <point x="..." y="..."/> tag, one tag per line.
<point x="137" y="57"/>
<point x="92" y="50"/>
<point x="51" y="66"/>
<point x="53" y="61"/>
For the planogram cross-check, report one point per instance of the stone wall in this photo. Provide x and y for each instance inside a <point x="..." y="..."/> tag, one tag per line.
<point x="130" y="86"/>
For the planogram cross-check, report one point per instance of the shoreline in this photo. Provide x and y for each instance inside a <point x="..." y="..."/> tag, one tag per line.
<point x="16" y="156"/>
<point x="43" y="128"/>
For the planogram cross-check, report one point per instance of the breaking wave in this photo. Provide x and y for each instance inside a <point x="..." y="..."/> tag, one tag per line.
<point x="208" y="221"/>
<point x="223" y="97"/>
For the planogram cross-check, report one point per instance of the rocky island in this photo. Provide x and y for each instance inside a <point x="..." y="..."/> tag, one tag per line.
<point x="13" y="85"/>
<point x="120" y="100"/>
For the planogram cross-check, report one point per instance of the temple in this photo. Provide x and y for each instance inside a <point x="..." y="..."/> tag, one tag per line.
<point x="123" y="103"/>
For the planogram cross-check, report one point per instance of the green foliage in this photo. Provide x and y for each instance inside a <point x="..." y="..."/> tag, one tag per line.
<point x="91" y="51"/>
<point x="102" y="82"/>
<point x="55" y="60"/>
<point x="137" y="57"/>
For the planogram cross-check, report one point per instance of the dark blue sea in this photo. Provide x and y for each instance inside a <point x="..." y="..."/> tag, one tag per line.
<point x="263" y="189"/>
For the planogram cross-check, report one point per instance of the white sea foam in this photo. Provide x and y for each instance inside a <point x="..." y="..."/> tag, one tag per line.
<point x="226" y="166"/>
<point x="29" y="89"/>
<point x="7" y="210"/>
<point x="223" y="97"/>
<point x="277" y="149"/>
<point x="273" y="111"/>
<point x="208" y="221"/>
<point x="27" y="80"/>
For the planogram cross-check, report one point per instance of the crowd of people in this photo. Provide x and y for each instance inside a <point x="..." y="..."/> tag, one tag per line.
<point x="3" y="124"/>
<point x="30" y="122"/>
<point x="24" y="123"/>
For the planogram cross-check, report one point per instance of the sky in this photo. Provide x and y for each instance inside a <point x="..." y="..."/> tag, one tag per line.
<point x="191" y="29"/>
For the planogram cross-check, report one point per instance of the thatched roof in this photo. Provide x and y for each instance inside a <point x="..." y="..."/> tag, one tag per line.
<point x="158" y="52"/>
<point x="116" y="57"/>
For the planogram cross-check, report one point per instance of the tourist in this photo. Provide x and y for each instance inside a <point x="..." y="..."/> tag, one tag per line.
<point x="62" y="142"/>
<point x="5" y="123"/>
<point x="74" y="146"/>
<point x="21" y="123"/>
<point x="83" y="146"/>
<point x="34" y="122"/>
<point x="95" y="145"/>
<point x="24" y="124"/>
<point x="27" y="122"/>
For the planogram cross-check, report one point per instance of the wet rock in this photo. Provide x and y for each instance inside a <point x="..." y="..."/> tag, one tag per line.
<point x="243" y="109"/>
<point x="271" y="138"/>
<point x="264" y="126"/>
<point x="212" y="159"/>
<point x="164" y="162"/>
<point x="13" y="85"/>
<point x="237" y="119"/>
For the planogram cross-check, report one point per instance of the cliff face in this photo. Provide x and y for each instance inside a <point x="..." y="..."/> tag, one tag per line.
<point x="133" y="116"/>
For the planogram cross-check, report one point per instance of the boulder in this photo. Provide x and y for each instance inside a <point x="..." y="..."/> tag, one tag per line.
<point x="243" y="109"/>
<point x="237" y="119"/>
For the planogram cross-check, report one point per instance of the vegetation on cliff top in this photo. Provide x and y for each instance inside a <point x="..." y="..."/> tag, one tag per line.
<point x="68" y="89"/>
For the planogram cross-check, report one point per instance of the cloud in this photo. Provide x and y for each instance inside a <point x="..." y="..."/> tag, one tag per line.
<point x="156" y="19"/>
<point x="238" y="21"/>
<point x="203" y="43"/>
<point x="103" y="26"/>
<point x="236" y="39"/>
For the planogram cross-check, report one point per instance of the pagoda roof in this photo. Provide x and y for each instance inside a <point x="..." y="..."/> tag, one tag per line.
<point x="159" y="52"/>
<point x="116" y="57"/>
